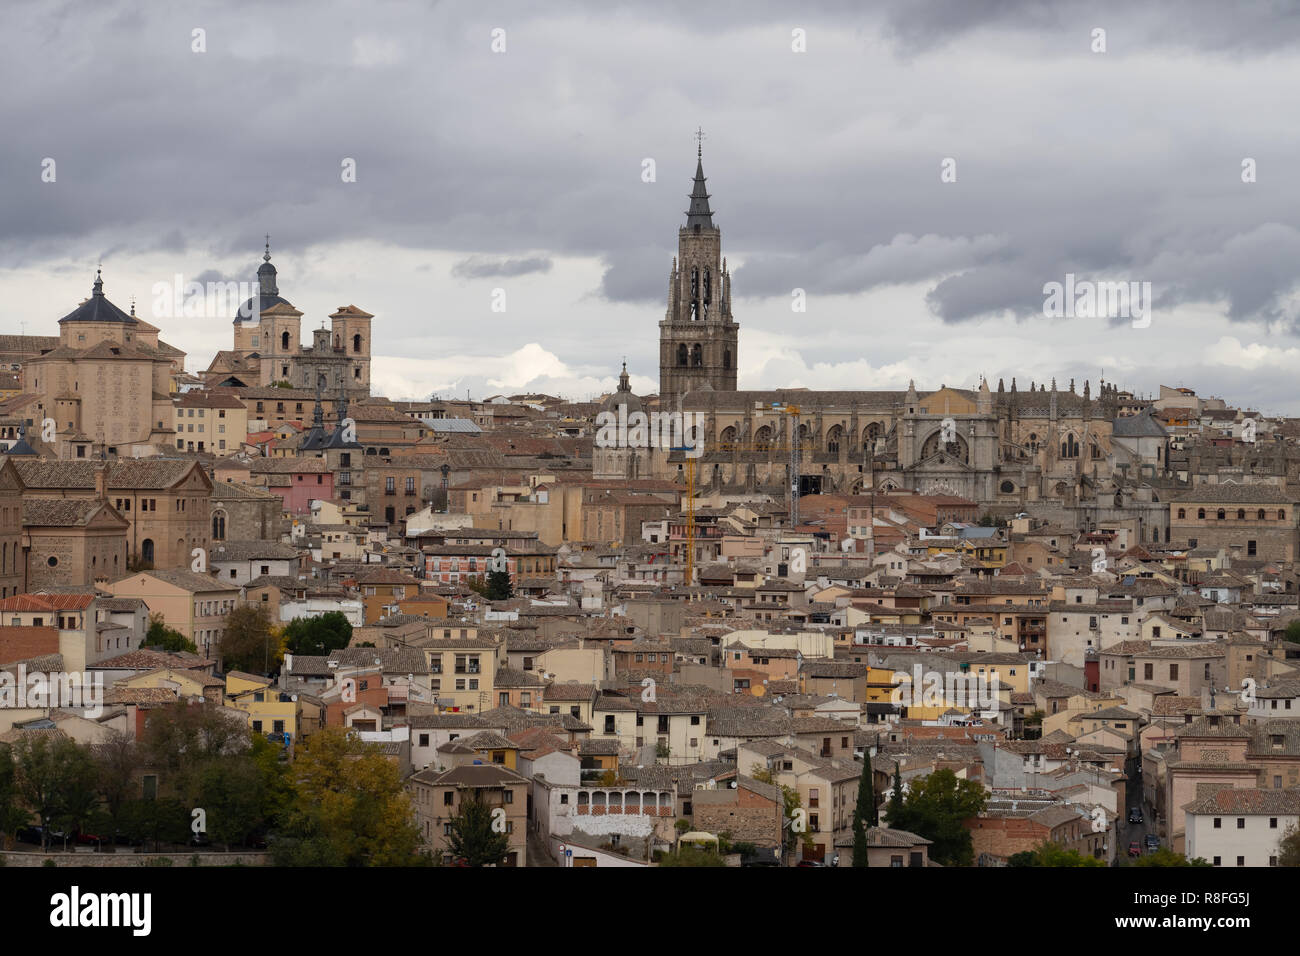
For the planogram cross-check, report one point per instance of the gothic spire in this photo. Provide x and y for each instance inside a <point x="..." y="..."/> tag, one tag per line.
<point x="699" y="214"/>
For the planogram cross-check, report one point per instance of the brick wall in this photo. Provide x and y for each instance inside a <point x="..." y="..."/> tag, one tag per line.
<point x="21" y="643"/>
<point x="747" y="816"/>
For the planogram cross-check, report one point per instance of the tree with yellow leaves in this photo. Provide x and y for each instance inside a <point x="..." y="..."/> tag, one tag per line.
<point x="349" y="807"/>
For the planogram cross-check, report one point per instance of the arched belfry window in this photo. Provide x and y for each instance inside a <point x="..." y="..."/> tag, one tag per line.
<point x="284" y="341"/>
<point x="697" y="356"/>
<point x="356" y="342"/>
<point x="726" y="358"/>
<point x="681" y="355"/>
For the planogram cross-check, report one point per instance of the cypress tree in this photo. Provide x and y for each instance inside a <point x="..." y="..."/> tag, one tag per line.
<point x="896" y="798"/>
<point x="864" y="814"/>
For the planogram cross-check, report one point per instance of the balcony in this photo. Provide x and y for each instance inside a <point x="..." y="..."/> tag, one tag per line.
<point x="613" y="802"/>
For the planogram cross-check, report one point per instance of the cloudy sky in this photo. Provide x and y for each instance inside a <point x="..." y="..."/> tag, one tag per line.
<point x="522" y="170"/>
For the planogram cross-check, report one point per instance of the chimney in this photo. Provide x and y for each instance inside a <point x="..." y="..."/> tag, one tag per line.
<point x="101" y="480"/>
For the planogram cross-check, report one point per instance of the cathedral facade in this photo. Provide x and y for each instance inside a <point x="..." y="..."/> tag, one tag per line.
<point x="1003" y="448"/>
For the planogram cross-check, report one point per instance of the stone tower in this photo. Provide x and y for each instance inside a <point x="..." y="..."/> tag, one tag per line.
<point x="350" y="326"/>
<point x="698" y="337"/>
<point x="269" y="326"/>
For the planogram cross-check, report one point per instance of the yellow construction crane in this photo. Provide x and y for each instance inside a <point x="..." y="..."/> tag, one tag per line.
<point x="690" y="455"/>
<point x="796" y="457"/>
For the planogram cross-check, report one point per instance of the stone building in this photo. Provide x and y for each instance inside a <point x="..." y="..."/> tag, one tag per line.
<point x="72" y="542"/>
<point x="107" y="387"/>
<point x="11" y="529"/>
<point x="698" y="337"/>
<point x="1004" y="448"/>
<point x="214" y="421"/>
<point x="241" y="512"/>
<point x="166" y="502"/>
<point x="1246" y="520"/>
<point x="268" y="345"/>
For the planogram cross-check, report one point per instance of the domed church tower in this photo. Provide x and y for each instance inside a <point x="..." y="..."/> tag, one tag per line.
<point x="610" y="460"/>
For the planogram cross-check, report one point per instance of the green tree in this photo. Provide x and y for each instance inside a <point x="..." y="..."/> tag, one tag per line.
<point x="181" y="739"/>
<point x="691" y="856"/>
<point x="349" y="807"/>
<point x="498" y="586"/>
<point x="248" y="643"/>
<point x="318" y="636"/>
<point x="792" y="810"/>
<point x="12" y="813"/>
<point x="1288" y="848"/>
<point x="1167" y="857"/>
<point x="936" y="807"/>
<point x="156" y="821"/>
<point x="116" y="761"/>
<point x="895" y="797"/>
<point x="1052" y="854"/>
<point x="473" y="837"/>
<point x="1293" y="631"/>
<point x="48" y="771"/>
<point x="168" y="638"/>
<point x="78" y="802"/>
<point x="232" y="792"/>
<point x="865" y="813"/>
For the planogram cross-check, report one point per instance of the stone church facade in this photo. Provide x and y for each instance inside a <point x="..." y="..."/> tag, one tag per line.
<point x="1003" y="448"/>
<point x="268" y="345"/>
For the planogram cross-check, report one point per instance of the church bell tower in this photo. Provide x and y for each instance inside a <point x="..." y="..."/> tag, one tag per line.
<point x="698" y="337"/>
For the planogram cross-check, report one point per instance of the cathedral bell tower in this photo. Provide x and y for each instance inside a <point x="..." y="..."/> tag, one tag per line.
<point x="698" y="337"/>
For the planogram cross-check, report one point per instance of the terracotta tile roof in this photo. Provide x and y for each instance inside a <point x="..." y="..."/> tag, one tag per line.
<point x="125" y="475"/>
<point x="49" y="602"/>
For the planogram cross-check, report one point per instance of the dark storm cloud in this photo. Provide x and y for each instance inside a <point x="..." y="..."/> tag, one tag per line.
<point x="484" y="267"/>
<point x="637" y="275"/>
<point x="824" y="167"/>
<point x="1205" y="25"/>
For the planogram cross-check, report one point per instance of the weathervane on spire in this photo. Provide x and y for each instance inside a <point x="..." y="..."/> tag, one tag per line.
<point x="267" y="256"/>
<point x="699" y="142"/>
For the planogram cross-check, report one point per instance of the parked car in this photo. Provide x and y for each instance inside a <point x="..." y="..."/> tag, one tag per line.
<point x="1135" y="815"/>
<point x="809" y="863"/>
<point x="1134" y="849"/>
<point x="1153" y="842"/>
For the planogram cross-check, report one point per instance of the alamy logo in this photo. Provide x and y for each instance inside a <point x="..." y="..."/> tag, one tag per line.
<point x="74" y="909"/>
<point x="924" y="688"/>
<point x="662" y="430"/>
<point x="72" y="690"/>
<point x="204" y="300"/>
<point x="1086" y="299"/>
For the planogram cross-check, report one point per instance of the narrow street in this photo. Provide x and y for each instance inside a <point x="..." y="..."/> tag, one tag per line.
<point x="537" y="851"/>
